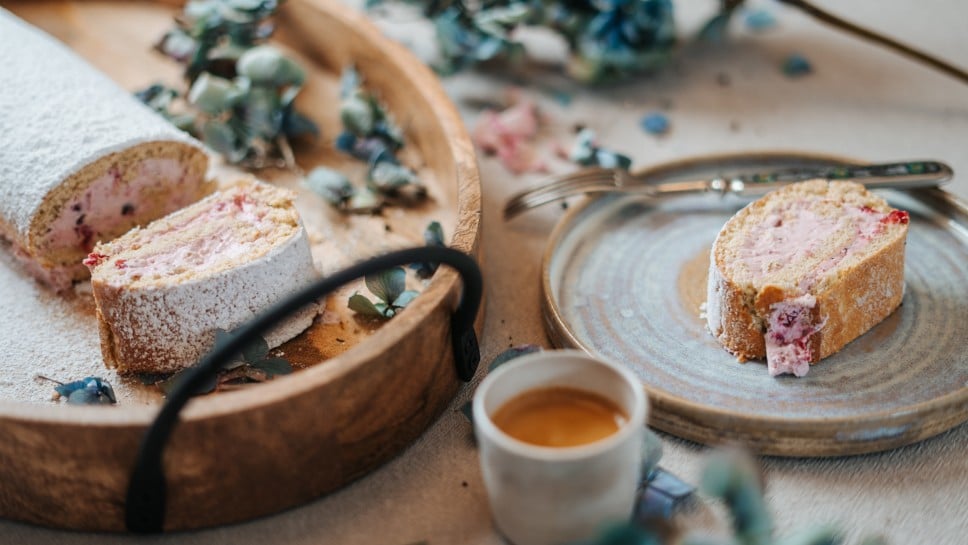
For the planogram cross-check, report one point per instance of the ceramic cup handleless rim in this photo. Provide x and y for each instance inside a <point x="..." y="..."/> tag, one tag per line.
<point x="636" y="418"/>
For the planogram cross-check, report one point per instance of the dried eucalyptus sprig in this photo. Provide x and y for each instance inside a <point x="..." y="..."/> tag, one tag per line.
<point x="240" y="99"/>
<point x="607" y="39"/>
<point x="732" y="476"/>
<point x="371" y="135"/>
<point x="254" y="365"/>
<point x="390" y="289"/>
<point x="87" y="391"/>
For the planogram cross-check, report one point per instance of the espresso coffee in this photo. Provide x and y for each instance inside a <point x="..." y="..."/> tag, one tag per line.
<point x="559" y="417"/>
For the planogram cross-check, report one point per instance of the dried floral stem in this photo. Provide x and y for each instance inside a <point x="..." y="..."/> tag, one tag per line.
<point x="861" y="32"/>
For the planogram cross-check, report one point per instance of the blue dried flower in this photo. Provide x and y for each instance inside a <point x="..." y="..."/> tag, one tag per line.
<point x="617" y="38"/>
<point x="87" y="391"/>
<point x="759" y="20"/>
<point x="796" y="65"/>
<point x="655" y="123"/>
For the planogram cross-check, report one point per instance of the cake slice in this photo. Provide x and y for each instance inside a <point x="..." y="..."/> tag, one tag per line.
<point x="81" y="159"/>
<point x="161" y="291"/>
<point x="804" y="270"/>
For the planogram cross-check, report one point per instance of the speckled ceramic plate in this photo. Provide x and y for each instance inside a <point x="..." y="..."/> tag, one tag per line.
<point x="624" y="279"/>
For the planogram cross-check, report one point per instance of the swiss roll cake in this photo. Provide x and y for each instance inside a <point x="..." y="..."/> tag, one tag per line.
<point x="81" y="159"/>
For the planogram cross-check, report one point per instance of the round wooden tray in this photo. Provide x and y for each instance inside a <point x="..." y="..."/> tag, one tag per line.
<point x="356" y="401"/>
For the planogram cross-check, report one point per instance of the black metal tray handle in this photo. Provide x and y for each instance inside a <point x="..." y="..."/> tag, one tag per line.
<point x="146" y="496"/>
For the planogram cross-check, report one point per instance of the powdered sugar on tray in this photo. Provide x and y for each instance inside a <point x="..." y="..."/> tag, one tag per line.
<point x="49" y="335"/>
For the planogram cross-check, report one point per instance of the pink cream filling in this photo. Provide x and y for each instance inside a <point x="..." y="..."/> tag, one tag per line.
<point x="777" y="243"/>
<point x="108" y="205"/>
<point x="199" y="254"/>
<point x="788" y="331"/>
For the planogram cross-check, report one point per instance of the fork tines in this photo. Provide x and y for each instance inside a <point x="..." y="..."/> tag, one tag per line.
<point x="588" y="180"/>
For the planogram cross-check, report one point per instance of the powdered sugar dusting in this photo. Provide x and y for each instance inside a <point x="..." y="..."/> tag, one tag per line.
<point x="167" y="326"/>
<point x="50" y="335"/>
<point x="62" y="115"/>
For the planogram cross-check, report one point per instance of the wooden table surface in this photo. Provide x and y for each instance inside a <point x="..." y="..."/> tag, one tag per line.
<point x="860" y="102"/>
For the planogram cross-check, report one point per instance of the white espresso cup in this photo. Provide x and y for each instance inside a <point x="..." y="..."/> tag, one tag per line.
<point x="554" y="495"/>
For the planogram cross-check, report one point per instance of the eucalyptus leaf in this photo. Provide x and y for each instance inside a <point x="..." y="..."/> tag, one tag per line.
<point x="467" y="409"/>
<point x="185" y="122"/>
<point x="359" y="304"/>
<point x="266" y="65"/>
<point x="732" y="476"/>
<point x="699" y="539"/>
<point x="405" y="299"/>
<point x="296" y="124"/>
<point x="330" y="184"/>
<point x="826" y="534"/>
<point x="433" y="236"/>
<point x="263" y="115"/>
<point x="221" y="138"/>
<point x="385" y="176"/>
<point x="349" y="82"/>
<point x="364" y="200"/>
<point x="357" y="115"/>
<point x="387" y="285"/>
<point x="255" y="349"/>
<point x="273" y="366"/>
<point x="213" y="94"/>
<point x="624" y="533"/>
<point x="715" y="29"/>
<point x="651" y="453"/>
<point x="169" y="385"/>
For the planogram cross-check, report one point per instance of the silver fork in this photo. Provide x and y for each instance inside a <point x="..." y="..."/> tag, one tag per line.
<point x="900" y="175"/>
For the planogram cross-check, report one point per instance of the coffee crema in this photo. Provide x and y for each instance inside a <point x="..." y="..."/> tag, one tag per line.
<point x="559" y="417"/>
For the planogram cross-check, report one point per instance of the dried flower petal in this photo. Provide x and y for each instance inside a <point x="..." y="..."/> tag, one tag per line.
<point x="510" y="135"/>
<point x="796" y="65"/>
<point x="655" y="123"/>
